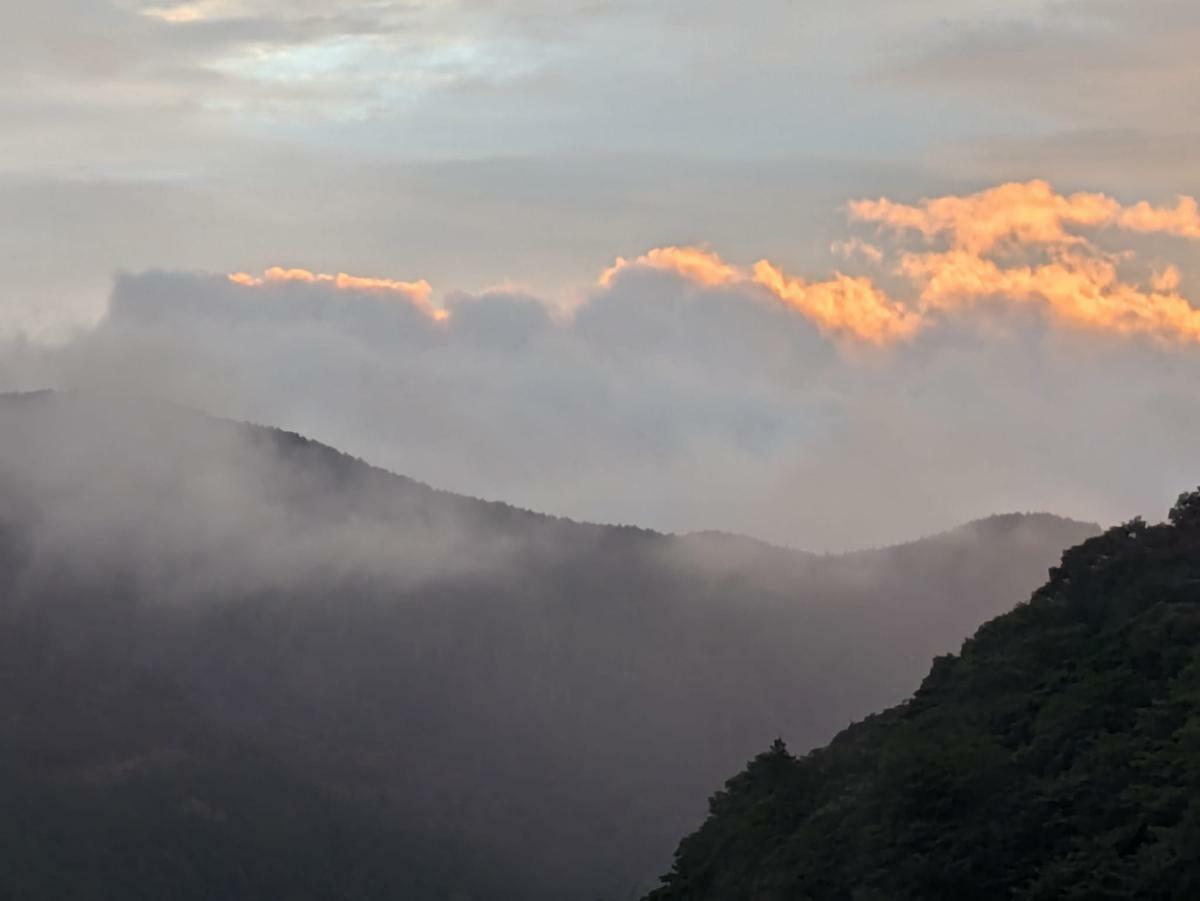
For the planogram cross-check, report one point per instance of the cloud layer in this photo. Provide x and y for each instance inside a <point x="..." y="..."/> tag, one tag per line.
<point x="1017" y="243"/>
<point x="546" y="137"/>
<point x="984" y="352"/>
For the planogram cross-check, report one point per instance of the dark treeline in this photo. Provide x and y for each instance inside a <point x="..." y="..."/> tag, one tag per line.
<point x="237" y="664"/>
<point x="1057" y="757"/>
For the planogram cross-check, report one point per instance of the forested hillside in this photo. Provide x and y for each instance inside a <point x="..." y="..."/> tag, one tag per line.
<point x="1056" y="757"/>
<point x="238" y="664"/>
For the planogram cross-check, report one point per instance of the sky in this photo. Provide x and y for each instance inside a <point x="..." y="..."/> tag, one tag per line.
<point x="832" y="275"/>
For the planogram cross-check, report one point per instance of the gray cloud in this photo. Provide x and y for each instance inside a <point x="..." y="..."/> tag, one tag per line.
<point x="1090" y="63"/>
<point x="544" y="223"/>
<point x="665" y="404"/>
<point x="544" y="137"/>
<point x="1094" y="91"/>
<point x="102" y="476"/>
<point x="442" y="140"/>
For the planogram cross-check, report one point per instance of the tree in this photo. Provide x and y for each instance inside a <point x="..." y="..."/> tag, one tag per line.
<point x="1186" y="512"/>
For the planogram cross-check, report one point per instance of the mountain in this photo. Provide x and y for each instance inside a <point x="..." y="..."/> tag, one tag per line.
<point x="1056" y="757"/>
<point x="239" y="664"/>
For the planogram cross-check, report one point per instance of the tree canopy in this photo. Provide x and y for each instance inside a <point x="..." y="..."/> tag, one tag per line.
<point x="1056" y="757"/>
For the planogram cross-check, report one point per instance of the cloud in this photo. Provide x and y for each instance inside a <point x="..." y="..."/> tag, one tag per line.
<point x="699" y="383"/>
<point x="1134" y="161"/>
<point x="1090" y="91"/>
<point x="840" y="306"/>
<point x="1076" y="290"/>
<point x="387" y="136"/>
<point x="989" y="234"/>
<point x="417" y="293"/>
<point x="685" y="391"/>
<point x="140" y="83"/>
<point x="1021" y="214"/>
<point x="693" y="263"/>
<point x="1089" y="64"/>
<point x="851" y="248"/>
<point x="988" y="238"/>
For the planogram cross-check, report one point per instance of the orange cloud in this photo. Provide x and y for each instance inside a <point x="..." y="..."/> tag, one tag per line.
<point x="1167" y="279"/>
<point x="1021" y="214"/>
<point x="852" y="248"/>
<point x="1080" y="291"/>
<point x="1012" y="214"/>
<point x="693" y="263"/>
<point x="842" y="306"/>
<point x="419" y="293"/>
<point x="1181" y="220"/>
<point x="1019" y="243"/>
<point x="1075" y="282"/>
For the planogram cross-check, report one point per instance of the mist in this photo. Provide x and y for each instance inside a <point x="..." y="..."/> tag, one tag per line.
<point x="189" y="506"/>
<point x="491" y="688"/>
<point x="662" y="402"/>
<point x="443" y="441"/>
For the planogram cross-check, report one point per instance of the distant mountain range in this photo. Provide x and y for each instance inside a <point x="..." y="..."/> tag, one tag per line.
<point x="238" y="664"/>
<point x="1056" y="757"/>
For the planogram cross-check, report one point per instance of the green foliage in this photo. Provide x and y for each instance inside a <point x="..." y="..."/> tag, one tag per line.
<point x="1057" y="757"/>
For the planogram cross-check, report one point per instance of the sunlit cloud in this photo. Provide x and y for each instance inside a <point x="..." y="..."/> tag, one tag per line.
<point x="1182" y="220"/>
<point x="841" y="306"/>
<point x="693" y="263"/>
<point x="1025" y="213"/>
<point x="1075" y="289"/>
<point x="993" y="237"/>
<point x="419" y="293"/>
<point x="857" y="248"/>
<point x="1020" y="244"/>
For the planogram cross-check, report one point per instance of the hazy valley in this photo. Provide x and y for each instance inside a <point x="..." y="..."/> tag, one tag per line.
<point x="239" y="664"/>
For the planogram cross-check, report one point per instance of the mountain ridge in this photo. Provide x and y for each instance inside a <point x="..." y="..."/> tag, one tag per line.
<point x="289" y="436"/>
<point x="1055" y="756"/>
<point x="221" y="630"/>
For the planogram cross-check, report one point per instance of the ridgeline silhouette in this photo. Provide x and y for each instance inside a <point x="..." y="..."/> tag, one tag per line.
<point x="237" y="664"/>
<point x="1056" y="757"/>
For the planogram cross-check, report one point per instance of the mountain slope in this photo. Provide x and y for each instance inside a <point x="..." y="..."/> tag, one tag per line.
<point x="240" y="664"/>
<point x="1057" y="757"/>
